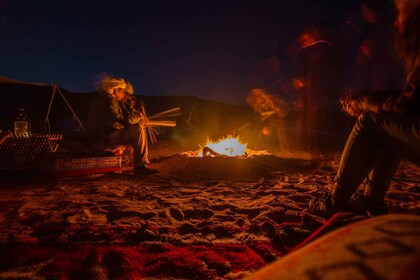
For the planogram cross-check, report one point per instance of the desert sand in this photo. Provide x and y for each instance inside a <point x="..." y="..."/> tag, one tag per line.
<point x="197" y="218"/>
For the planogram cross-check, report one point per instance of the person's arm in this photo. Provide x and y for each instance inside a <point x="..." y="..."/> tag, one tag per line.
<point x="130" y="114"/>
<point x="134" y="118"/>
<point x="117" y="120"/>
<point x="356" y="106"/>
<point x="386" y="101"/>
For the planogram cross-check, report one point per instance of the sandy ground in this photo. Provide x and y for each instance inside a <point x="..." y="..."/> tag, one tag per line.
<point x="212" y="218"/>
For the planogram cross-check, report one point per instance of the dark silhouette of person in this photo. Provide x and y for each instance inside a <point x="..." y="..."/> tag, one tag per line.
<point x="387" y="129"/>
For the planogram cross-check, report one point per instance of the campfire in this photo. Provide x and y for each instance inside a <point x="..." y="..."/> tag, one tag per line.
<point x="229" y="146"/>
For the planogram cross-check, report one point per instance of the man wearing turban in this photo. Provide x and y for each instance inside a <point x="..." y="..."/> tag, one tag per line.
<point x="111" y="125"/>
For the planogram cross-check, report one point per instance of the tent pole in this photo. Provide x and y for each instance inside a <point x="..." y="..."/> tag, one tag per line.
<point x="71" y="109"/>
<point x="47" y="117"/>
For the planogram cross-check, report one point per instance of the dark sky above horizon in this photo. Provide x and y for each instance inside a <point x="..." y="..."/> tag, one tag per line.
<point x="179" y="47"/>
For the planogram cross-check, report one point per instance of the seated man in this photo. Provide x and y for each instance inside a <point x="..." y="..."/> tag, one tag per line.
<point x="129" y="109"/>
<point x="108" y="124"/>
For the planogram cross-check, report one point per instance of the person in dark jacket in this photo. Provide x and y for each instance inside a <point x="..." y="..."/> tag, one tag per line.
<point x="129" y="109"/>
<point x="387" y="129"/>
<point x="109" y="125"/>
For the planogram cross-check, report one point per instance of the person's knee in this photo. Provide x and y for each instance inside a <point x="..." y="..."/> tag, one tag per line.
<point x="366" y="120"/>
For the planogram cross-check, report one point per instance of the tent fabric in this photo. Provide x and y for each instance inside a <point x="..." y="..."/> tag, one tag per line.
<point x="54" y="87"/>
<point x="5" y="80"/>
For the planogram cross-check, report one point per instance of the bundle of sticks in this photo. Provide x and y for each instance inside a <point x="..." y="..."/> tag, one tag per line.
<point x="149" y="124"/>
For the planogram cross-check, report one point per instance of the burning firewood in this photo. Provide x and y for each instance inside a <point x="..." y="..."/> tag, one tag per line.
<point x="210" y="152"/>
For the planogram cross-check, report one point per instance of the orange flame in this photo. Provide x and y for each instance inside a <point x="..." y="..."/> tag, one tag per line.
<point x="229" y="146"/>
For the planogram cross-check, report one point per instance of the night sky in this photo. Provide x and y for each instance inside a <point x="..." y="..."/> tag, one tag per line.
<point x="202" y="48"/>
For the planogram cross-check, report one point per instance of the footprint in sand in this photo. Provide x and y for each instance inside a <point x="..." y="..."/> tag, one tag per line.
<point x="114" y="214"/>
<point x="261" y="194"/>
<point x="284" y="216"/>
<point x="300" y="198"/>
<point x="85" y="215"/>
<point x="250" y="212"/>
<point x="176" y="214"/>
<point x="222" y="207"/>
<point x="187" y="228"/>
<point x="198" y="214"/>
<point x="222" y="232"/>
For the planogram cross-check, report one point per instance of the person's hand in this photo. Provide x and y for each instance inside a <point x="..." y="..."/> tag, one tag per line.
<point x="352" y="106"/>
<point x="134" y="118"/>
<point x="142" y="117"/>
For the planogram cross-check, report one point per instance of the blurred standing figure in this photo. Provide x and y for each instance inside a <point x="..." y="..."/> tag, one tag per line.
<point x="387" y="129"/>
<point x="316" y="70"/>
<point x="316" y="79"/>
<point x="376" y="65"/>
<point x="109" y="125"/>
